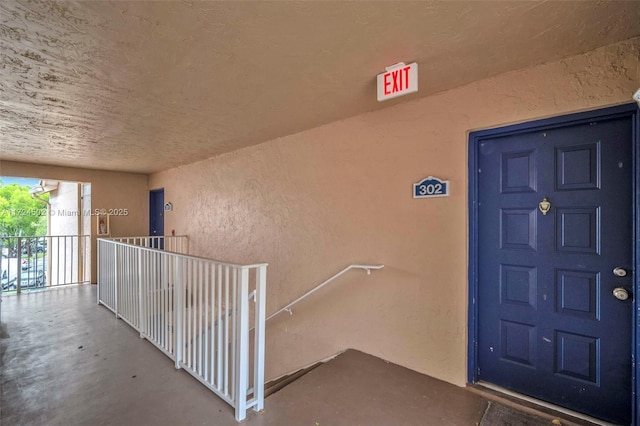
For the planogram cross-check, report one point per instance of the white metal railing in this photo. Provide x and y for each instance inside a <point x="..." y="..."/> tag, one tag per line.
<point x="197" y="311"/>
<point x="172" y="243"/>
<point x="287" y="308"/>
<point x="31" y="263"/>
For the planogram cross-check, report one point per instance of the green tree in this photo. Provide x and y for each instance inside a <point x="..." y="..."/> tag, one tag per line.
<point x="20" y="214"/>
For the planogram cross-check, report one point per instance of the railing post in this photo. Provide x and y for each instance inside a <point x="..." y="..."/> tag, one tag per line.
<point x="178" y="310"/>
<point x="100" y="274"/>
<point x="115" y="279"/>
<point x="49" y="261"/>
<point x="242" y="345"/>
<point x="99" y="278"/>
<point x="141" y="313"/>
<point x="259" y="336"/>
<point x="19" y="267"/>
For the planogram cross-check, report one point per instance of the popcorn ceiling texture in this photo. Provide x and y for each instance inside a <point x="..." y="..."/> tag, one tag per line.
<point x="311" y="203"/>
<point x="146" y="86"/>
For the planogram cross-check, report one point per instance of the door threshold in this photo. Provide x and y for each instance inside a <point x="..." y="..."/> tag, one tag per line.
<point x="507" y="396"/>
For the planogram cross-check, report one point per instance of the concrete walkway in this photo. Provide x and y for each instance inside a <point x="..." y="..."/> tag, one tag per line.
<point x="67" y="361"/>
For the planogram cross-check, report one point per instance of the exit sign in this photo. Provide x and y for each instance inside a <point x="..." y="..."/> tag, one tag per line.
<point x="400" y="79"/>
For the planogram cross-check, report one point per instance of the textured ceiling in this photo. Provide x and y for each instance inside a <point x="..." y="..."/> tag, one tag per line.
<point x="145" y="86"/>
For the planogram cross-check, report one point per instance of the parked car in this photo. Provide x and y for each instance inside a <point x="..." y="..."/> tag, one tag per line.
<point x="8" y="267"/>
<point x="34" y="246"/>
<point x="28" y="279"/>
<point x="4" y="266"/>
<point x="5" y="282"/>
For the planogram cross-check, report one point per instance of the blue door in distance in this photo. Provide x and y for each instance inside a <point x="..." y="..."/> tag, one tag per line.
<point x="156" y="215"/>
<point x="554" y="222"/>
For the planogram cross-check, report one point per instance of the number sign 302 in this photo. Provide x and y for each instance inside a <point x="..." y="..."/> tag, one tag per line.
<point x="431" y="187"/>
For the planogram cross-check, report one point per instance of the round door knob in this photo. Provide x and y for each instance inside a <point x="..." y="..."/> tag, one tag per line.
<point x="619" y="272"/>
<point x="620" y="293"/>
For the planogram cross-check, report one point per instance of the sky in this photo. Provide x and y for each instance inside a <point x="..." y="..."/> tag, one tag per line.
<point x="7" y="180"/>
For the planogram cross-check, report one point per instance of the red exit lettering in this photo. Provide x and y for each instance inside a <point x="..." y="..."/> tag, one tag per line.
<point x="396" y="80"/>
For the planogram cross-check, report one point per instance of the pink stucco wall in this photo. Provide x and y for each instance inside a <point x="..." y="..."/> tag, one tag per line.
<point x="314" y="202"/>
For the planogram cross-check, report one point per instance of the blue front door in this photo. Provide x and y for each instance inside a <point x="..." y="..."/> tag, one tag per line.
<point x="554" y="220"/>
<point x="156" y="216"/>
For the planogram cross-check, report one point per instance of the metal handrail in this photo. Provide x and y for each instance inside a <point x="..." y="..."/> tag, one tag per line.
<point x="169" y="243"/>
<point x="145" y="236"/>
<point x="182" y="255"/>
<point x="287" y="308"/>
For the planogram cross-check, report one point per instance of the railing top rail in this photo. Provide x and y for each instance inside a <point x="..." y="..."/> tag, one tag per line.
<point x="147" y="236"/>
<point x="287" y="308"/>
<point x="43" y="236"/>
<point x="185" y="256"/>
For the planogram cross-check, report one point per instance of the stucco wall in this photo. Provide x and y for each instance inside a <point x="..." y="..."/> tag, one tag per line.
<point x="314" y="202"/>
<point x="64" y="207"/>
<point x="68" y="204"/>
<point x="109" y="190"/>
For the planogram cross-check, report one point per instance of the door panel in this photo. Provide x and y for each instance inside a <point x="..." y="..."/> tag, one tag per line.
<point x="156" y="215"/>
<point x="548" y="324"/>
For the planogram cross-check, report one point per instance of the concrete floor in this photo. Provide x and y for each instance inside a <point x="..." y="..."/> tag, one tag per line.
<point x="66" y="361"/>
